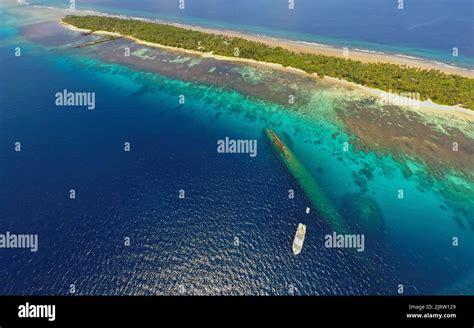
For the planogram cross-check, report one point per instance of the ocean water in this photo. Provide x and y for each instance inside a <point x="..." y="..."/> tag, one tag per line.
<point x="232" y="233"/>
<point x="427" y="29"/>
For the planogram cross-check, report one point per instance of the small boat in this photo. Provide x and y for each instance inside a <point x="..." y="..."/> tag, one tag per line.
<point x="299" y="239"/>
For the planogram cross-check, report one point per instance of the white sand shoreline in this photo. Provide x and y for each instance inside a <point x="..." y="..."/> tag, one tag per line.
<point x="363" y="55"/>
<point x="426" y="105"/>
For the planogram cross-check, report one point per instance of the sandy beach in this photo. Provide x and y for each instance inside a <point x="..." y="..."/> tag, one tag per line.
<point x="365" y="57"/>
<point x="312" y="48"/>
<point x="426" y="105"/>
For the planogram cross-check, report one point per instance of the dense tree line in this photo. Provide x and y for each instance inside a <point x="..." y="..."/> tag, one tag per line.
<point x="433" y="84"/>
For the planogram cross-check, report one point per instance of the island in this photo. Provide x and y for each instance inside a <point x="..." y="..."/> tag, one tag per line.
<point x="432" y="84"/>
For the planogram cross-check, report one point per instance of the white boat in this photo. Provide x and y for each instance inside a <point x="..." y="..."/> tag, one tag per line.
<point x="299" y="239"/>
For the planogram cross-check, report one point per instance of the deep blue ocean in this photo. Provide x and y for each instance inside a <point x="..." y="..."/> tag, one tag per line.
<point x="424" y="28"/>
<point x="232" y="233"/>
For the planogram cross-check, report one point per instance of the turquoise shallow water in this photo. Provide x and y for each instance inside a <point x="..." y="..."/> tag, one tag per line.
<point x="191" y="243"/>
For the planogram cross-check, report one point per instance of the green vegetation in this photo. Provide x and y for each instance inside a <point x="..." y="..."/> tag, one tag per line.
<point x="433" y="84"/>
